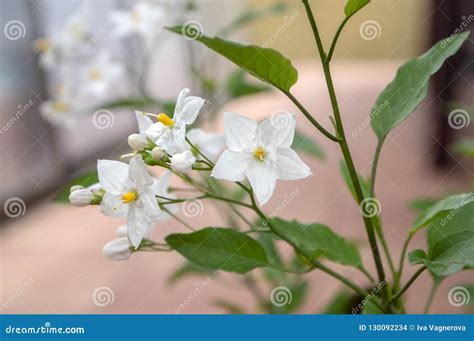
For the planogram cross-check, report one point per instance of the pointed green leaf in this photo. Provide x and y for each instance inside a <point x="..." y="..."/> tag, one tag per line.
<point x="342" y="303"/>
<point x="353" y="6"/>
<point x="238" y="86"/>
<point x="189" y="269"/>
<point x="410" y="86"/>
<point x="445" y="208"/>
<point x="417" y="256"/>
<point x="266" y="64"/>
<point x="317" y="240"/>
<point x="219" y="248"/>
<point x="307" y="145"/>
<point x="84" y="180"/>
<point x="347" y="179"/>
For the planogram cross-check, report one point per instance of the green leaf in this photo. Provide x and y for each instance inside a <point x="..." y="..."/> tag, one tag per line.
<point x="219" y="248"/>
<point x="464" y="147"/>
<point x="353" y="6"/>
<point x="273" y="274"/>
<point x="189" y="269"/>
<point x="238" y="86"/>
<point x="317" y="240"/>
<point x="229" y="307"/>
<point x="266" y="64"/>
<point x="365" y="184"/>
<point x="420" y="205"/>
<point x="307" y="145"/>
<point x="342" y="303"/>
<point x="371" y="309"/>
<point x="84" y="180"/>
<point x="445" y="208"/>
<point x="298" y="291"/>
<point x="449" y="255"/>
<point x="410" y="86"/>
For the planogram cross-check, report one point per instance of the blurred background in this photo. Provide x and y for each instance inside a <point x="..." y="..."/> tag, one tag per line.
<point x="73" y="72"/>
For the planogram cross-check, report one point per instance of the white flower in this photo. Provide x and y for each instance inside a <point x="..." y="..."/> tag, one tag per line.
<point x="169" y="133"/>
<point x="118" y="249"/>
<point x="182" y="162"/>
<point x="101" y="74"/>
<point x="64" y="106"/>
<point x="142" y="19"/>
<point x="259" y="152"/>
<point x="209" y="144"/>
<point x="129" y="193"/>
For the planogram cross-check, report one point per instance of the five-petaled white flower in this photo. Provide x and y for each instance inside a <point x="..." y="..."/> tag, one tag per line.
<point x="129" y="193"/>
<point x="169" y="133"/>
<point x="209" y="144"/>
<point x="259" y="152"/>
<point x="142" y="19"/>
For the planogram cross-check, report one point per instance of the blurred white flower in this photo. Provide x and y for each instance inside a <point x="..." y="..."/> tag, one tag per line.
<point x="101" y="74"/>
<point x="169" y="133"/>
<point x="259" y="152"/>
<point x="161" y="188"/>
<point x="143" y="19"/>
<point x="209" y="144"/>
<point x="129" y="193"/>
<point x="182" y="162"/>
<point x="118" y="249"/>
<point x="158" y="154"/>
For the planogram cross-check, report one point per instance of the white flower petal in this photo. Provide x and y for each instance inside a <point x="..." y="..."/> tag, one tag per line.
<point x="262" y="178"/>
<point x="155" y="131"/>
<point x="240" y="132"/>
<point x="138" y="225"/>
<point x="160" y="185"/>
<point x="273" y="134"/>
<point x="150" y="207"/>
<point x="138" y="173"/>
<point x="113" y="175"/>
<point x="232" y="165"/>
<point x="210" y="144"/>
<point x="289" y="166"/>
<point x="113" y="206"/>
<point x="144" y="122"/>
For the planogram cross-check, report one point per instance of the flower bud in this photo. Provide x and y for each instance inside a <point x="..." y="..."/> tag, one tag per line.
<point x="122" y="231"/>
<point x="118" y="249"/>
<point x="81" y="197"/>
<point x="138" y="142"/>
<point x="157" y="153"/>
<point x="182" y="162"/>
<point x="75" y="188"/>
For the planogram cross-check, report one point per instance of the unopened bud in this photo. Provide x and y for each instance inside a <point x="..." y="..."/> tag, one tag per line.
<point x="138" y="142"/>
<point x="118" y="249"/>
<point x="81" y="197"/>
<point x="158" y="154"/>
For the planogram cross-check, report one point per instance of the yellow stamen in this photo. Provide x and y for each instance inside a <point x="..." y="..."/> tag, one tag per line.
<point x="60" y="106"/>
<point x="95" y="74"/>
<point x="42" y="44"/>
<point x="136" y="18"/>
<point x="129" y="197"/>
<point x="260" y="153"/>
<point x="165" y="119"/>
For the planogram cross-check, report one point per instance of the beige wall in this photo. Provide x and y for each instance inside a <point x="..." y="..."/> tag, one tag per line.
<point x="404" y="28"/>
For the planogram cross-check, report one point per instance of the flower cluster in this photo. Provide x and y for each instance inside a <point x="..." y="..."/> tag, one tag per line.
<point x="259" y="152"/>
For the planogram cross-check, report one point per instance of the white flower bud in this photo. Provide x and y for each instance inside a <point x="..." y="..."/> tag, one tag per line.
<point x="157" y="153"/>
<point x="138" y="142"/>
<point x="118" y="249"/>
<point x="122" y="231"/>
<point x="75" y="188"/>
<point x="81" y="197"/>
<point x="182" y="162"/>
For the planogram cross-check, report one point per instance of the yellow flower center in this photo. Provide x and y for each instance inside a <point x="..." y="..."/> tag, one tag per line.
<point x="259" y="153"/>
<point x="60" y="106"/>
<point x="42" y="44"/>
<point x="95" y="74"/>
<point x="129" y="197"/>
<point x="136" y="18"/>
<point x="166" y="120"/>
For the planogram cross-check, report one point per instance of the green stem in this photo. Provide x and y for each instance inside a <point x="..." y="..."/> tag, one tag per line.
<point x="345" y="148"/>
<point x="402" y="256"/>
<point x="407" y="285"/>
<point x="336" y="37"/>
<point x="434" y="288"/>
<point x="375" y="162"/>
<point x="178" y="219"/>
<point x="367" y="274"/>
